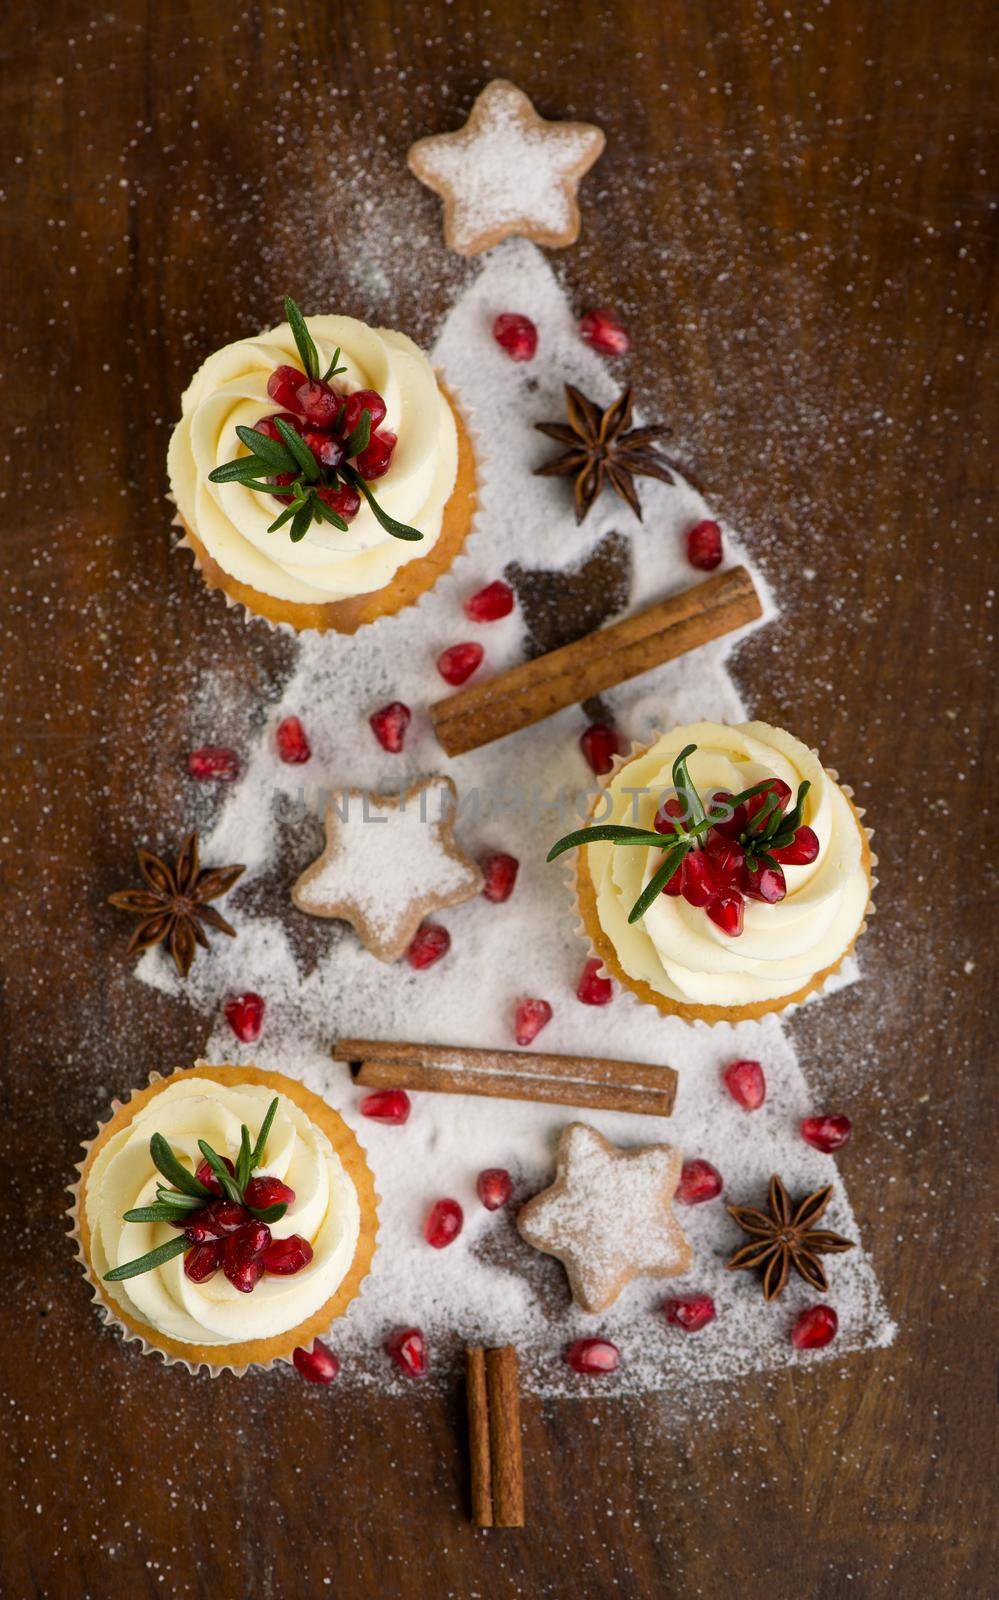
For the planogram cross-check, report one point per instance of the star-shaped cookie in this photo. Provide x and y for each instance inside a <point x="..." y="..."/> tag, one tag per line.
<point x="390" y="860"/>
<point x="507" y="171"/>
<point x="608" y="1217"/>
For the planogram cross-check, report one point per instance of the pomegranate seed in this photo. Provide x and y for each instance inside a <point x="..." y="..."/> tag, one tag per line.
<point x="389" y="725"/>
<point x="241" y="1255"/>
<point x="268" y="425"/>
<point x="814" y="1327"/>
<point x="216" y="1221"/>
<point x="531" y="1016"/>
<point x="283" y="386"/>
<point x="459" y="661"/>
<point x="602" y="329"/>
<point x="282" y="478"/>
<point x="244" y="1275"/>
<point x="599" y="744"/>
<point x="733" y="824"/>
<point x="500" y="874"/>
<point x="592" y="1357"/>
<point x="490" y="603"/>
<point x="408" y="1350"/>
<point x="674" y="886"/>
<point x="214" y="761"/>
<point x="516" y="334"/>
<point x="443" y="1223"/>
<point x="667" y="818"/>
<point x="387" y="1105"/>
<point x="726" y="913"/>
<point x="267" y="1191"/>
<point x="202" y="1262"/>
<point x="292" y="742"/>
<point x="767" y="885"/>
<point x="802" y="850"/>
<point x="726" y="856"/>
<point x="326" y="447"/>
<point x="591" y="988"/>
<point x="205" y="1175"/>
<point x="375" y="461"/>
<point x="704" y="546"/>
<point x="826" y="1133"/>
<point x="431" y="941"/>
<point x="287" y="1256"/>
<point x="699" y="1181"/>
<point x="320" y="404"/>
<point x="343" y="499"/>
<point x="700" y="886"/>
<point x="746" y="1084"/>
<point x="691" y="1314"/>
<point x="494" y="1187"/>
<point x="318" y="1365"/>
<point x="245" y="1016"/>
<point x="756" y="802"/>
<point x="361" y="400"/>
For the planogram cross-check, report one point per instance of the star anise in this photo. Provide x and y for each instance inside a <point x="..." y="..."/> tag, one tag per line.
<point x="784" y="1236"/>
<point x="173" y="905"/>
<point x="604" y="448"/>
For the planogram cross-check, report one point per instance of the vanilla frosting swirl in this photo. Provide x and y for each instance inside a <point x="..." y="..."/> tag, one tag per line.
<point x="325" y="1211"/>
<point x="231" y="520"/>
<point x="675" y="947"/>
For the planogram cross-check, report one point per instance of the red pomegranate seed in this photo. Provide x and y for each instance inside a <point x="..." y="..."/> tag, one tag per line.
<point x="318" y="1365"/>
<point x="243" y="1274"/>
<point x="814" y="1327"/>
<point x="700" y="885"/>
<point x="500" y="873"/>
<point x="726" y="913"/>
<point x="430" y="942"/>
<point x="591" y="1358"/>
<point x="375" y="461"/>
<point x="691" y="1314"/>
<point x="283" y="386"/>
<point x="494" y="1187"/>
<point x="319" y="403"/>
<point x="267" y="1191"/>
<point x="802" y="850"/>
<point x="699" y="1181"/>
<point x="674" y="886"/>
<point x="245" y="1016"/>
<point x="516" y="334"/>
<point x="704" y="546"/>
<point x="602" y="329"/>
<point x="599" y="744"/>
<point x="326" y="447"/>
<point x="343" y="499"/>
<point x="215" y="1221"/>
<point x="202" y="1262"/>
<point x="732" y="824"/>
<point x="756" y="802"/>
<point x="389" y="725"/>
<point x="360" y="401"/>
<point x="214" y="761"/>
<point x="292" y="742"/>
<point x="205" y="1175"/>
<point x="591" y="988"/>
<point x="531" y="1016"/>
<point x="459" y="661"/>
<point x="767" y="885"/>
<point x="241" y="1255"/>
<point x="387" y="1105"/>
<point x="408" y="1350"/>
<point x="668" y="818"/>
<point x="826" y="1133"/>
<point x="443" y="1223"/>
<point x="287" y="1256"/>
<point x="726" y="856"/>
<point x="490" y="603"/>
<point x="281" y="478"/>
<point x="268" y="425"/>
<point x="746" y="1084"/>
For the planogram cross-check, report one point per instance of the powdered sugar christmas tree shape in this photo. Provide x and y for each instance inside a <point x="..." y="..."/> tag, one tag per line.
<point x="507" y="171"/>
<point x="517" y="796"/>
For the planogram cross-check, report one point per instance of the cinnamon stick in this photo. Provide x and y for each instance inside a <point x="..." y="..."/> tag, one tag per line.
<point x="478" y="1436"/>
<point x="495" y="1454"/>
<point x="526" y="694"/>
<point x="593" y="1081"/>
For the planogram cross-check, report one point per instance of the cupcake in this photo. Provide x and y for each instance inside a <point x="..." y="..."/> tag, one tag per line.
<point x="724" y="874"/>
<point x="323" y="476"/>
<point x="225" y="1216"/>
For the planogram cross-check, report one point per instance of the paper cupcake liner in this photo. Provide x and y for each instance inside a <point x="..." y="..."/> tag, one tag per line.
<point x="589" y="929"/>
<point x="379" y="602"/>
<point x="315" y="1327"/>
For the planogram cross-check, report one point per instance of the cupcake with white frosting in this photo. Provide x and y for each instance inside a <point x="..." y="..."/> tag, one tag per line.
<point x="323" y="477"/>
<point x="225" y="1216"/>
<point x="724" y="873"/>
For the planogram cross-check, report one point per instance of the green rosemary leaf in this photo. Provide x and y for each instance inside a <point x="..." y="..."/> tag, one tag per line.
<point x="359" y="439"/>
<point x="762" y="817"/>
<point x="230" y="1187"/>
<point x="268" y="1214"/>
<point x="180" y="1202"/>
<point x="333" y="369"/>
<point x="616" y="832"/>
<point x="301" y="522"/>
<point x="792" y="822"/>
<point x="154" y="1213"/>
<point x="747" y="794"/>
<point x="166" y="1162"/>
<point x="693" y="810"/>
<point x="398" y="530"/>
<point x="299" y="449"/>
<point x="257" y="1154"/>
<point x="244" y="1158"/>
<point x="326" y="513"/>
<point x="245" y="467"/>
<point x="657" y="883"/>
<point x="146" y="1263"/>
<point x="768" y="860"/>
<point x="303" y="338"/>
<point x="271" y="451"/>
<point x="286" y="516"/>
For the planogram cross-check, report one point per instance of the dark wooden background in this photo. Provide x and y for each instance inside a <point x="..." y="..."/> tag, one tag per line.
<point x="793" y="216"/>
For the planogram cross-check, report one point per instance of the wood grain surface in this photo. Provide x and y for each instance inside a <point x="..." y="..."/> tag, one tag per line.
<point x="792" y="215"/>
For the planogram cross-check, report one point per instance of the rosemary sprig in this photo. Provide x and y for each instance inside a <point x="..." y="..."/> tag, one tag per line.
<point x="146" y="1263"/>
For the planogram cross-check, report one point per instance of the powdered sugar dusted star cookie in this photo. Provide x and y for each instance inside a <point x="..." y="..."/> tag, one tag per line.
<point x="608" y="1216"/>
<point x="507" y="171"/>
<point x="389" y="861"/>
